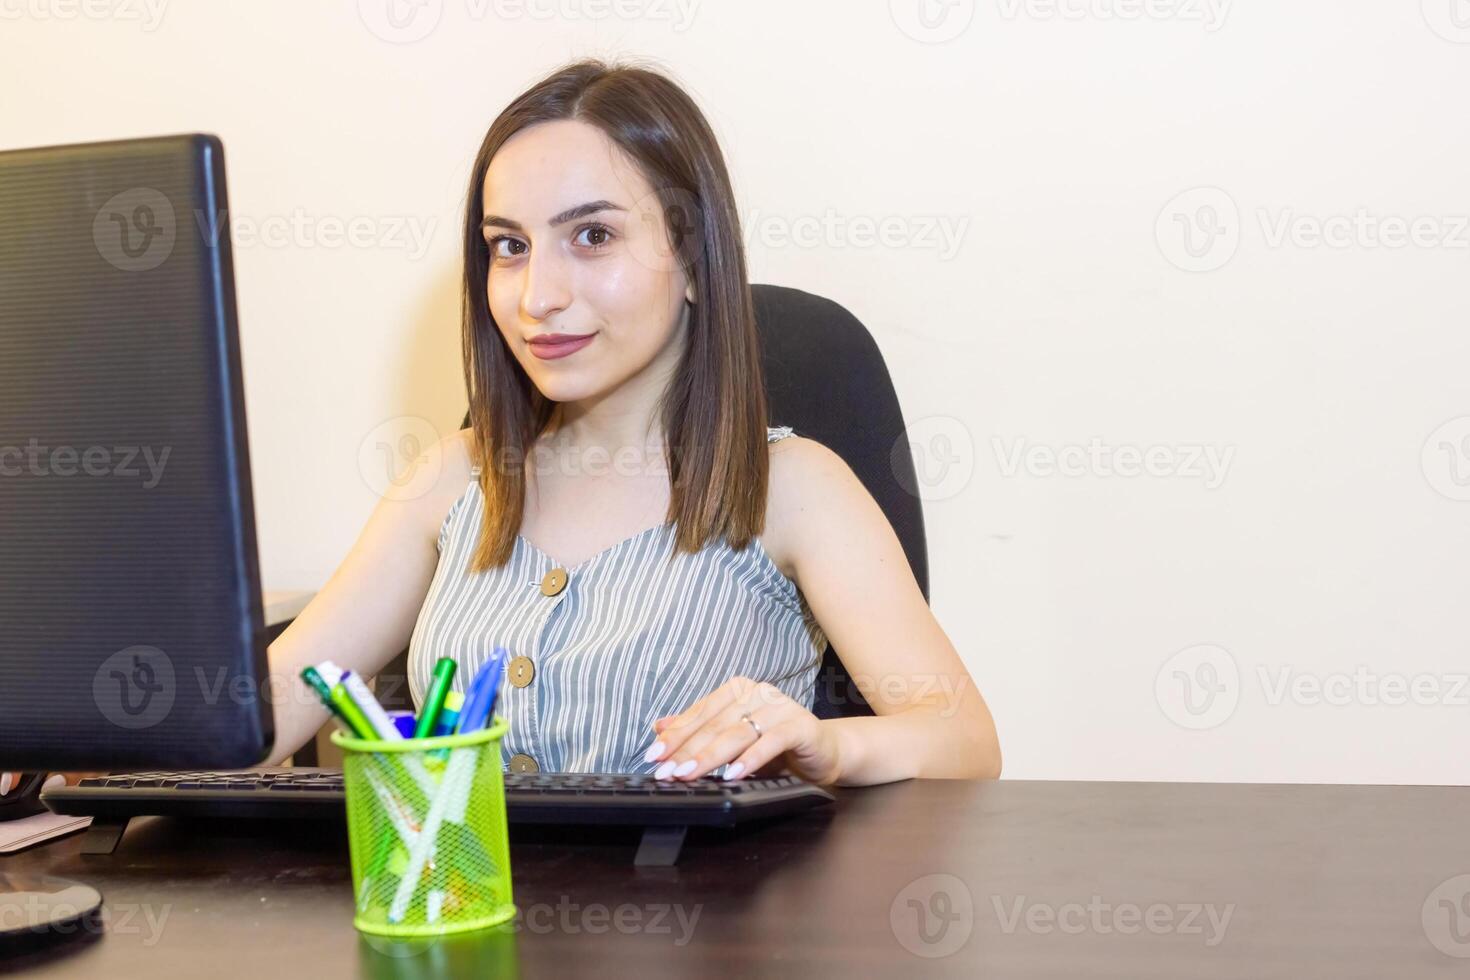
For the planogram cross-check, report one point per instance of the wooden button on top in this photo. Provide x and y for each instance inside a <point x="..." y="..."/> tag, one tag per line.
<point x="554" y="582"/>
<point x="520" y="671"/>
<point x="520" y="762"/>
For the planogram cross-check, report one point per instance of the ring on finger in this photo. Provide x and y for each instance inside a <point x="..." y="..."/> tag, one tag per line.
<point x="752" y="723"/>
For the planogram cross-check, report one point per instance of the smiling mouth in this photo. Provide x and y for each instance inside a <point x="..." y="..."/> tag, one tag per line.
<point x="557" y="339"/>
<point x="554" y="346"/>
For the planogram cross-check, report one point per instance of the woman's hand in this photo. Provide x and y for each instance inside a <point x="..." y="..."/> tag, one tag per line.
<point x="11" y="780"/>
<point x="712" y="732"/>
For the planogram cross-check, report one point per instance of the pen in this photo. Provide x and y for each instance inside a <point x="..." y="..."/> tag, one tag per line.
<point x="461" y="766"/>
<point x="481" y="693"/>
<point x="370" y="707"/>
<point x="474" y="716"/>
<point x="434" y="700"/>
<point x="403" y="721"/>
<point x="452" y="798"/>
<point x="448" y="717"/>
<point x="351" y="719"/>
<point x="449" y="714"/>
<point x="324" y="691"/>
<point x="328" y="675"/>
<point x="379" y="725"/>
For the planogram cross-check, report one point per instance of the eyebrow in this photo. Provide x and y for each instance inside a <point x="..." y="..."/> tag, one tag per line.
<point x="570" y="214"/>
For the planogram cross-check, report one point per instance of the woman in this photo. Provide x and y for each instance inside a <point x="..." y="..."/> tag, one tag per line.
<point x="613" y="366"/>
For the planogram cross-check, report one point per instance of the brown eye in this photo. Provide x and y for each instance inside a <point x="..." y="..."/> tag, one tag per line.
<point x="494" y="245"/>
<point x="599" y="235"/>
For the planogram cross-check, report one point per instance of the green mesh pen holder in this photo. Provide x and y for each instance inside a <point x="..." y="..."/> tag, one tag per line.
<point x="427" y="831"/>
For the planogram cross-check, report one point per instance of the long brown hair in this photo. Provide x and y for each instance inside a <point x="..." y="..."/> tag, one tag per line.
<point x="714" y="410"/>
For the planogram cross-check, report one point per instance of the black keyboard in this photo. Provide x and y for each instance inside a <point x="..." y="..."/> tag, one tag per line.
<point x="545" y="798"/>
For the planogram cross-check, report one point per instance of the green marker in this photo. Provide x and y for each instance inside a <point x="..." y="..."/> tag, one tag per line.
<point x="323" y="690"/>
<point x="339" y="702"/>
<point x="434" y="701"/>
<point x="352" y="712"/>
<point x="315" y="682"/>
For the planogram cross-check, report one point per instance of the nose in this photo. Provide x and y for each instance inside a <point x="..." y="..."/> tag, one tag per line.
<point x="545" y="289"/>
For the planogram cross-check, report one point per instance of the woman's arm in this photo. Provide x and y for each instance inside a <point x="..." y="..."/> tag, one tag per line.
<point x="364" y="615"/>
<point x="829" y="535"/>
<point x="931" y="719"/>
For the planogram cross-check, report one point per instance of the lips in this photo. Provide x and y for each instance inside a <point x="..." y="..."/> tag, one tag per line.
<point x="551" y="346"/>
<point x="560" y="338"/>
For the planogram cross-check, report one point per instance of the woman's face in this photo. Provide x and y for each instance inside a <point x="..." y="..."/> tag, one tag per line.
<point x="579" y="247"/>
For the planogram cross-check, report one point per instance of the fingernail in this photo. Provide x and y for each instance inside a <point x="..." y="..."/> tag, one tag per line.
<point x="734" y="769"/>
<point x="686" y="768"/>
<point x="4" y="784"/>
<point x="654" y="751"/>
<point x="662" y="772"/>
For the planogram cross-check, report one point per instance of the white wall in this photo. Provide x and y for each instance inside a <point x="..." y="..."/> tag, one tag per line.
<point x="1055" y="140"/>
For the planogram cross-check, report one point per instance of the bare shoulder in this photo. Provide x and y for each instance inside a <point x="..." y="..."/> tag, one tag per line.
<point x="804" y="474"/>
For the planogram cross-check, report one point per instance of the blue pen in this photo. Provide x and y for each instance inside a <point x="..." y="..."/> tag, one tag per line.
<point x="473" y="715"/>
<point x="481" y="694"/>
<point x="495" y="690"/>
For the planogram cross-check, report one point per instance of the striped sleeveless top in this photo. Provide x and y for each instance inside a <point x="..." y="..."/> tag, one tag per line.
<point x="629" y="637"/>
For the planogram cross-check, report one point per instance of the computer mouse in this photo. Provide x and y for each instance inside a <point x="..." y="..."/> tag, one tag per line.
<point x="38" y="910"/>
<point x="24" y="799"/>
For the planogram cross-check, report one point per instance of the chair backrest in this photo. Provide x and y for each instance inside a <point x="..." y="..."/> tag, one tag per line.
<point x="826" y="379"/>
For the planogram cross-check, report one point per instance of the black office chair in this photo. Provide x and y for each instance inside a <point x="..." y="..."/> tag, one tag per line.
<point x="825" y="377"/>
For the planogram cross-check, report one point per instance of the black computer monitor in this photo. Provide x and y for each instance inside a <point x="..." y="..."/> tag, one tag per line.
<point x="131" y="630"/>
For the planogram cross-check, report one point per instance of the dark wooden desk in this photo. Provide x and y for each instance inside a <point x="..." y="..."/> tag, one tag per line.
<point x="1042" y="880"/>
